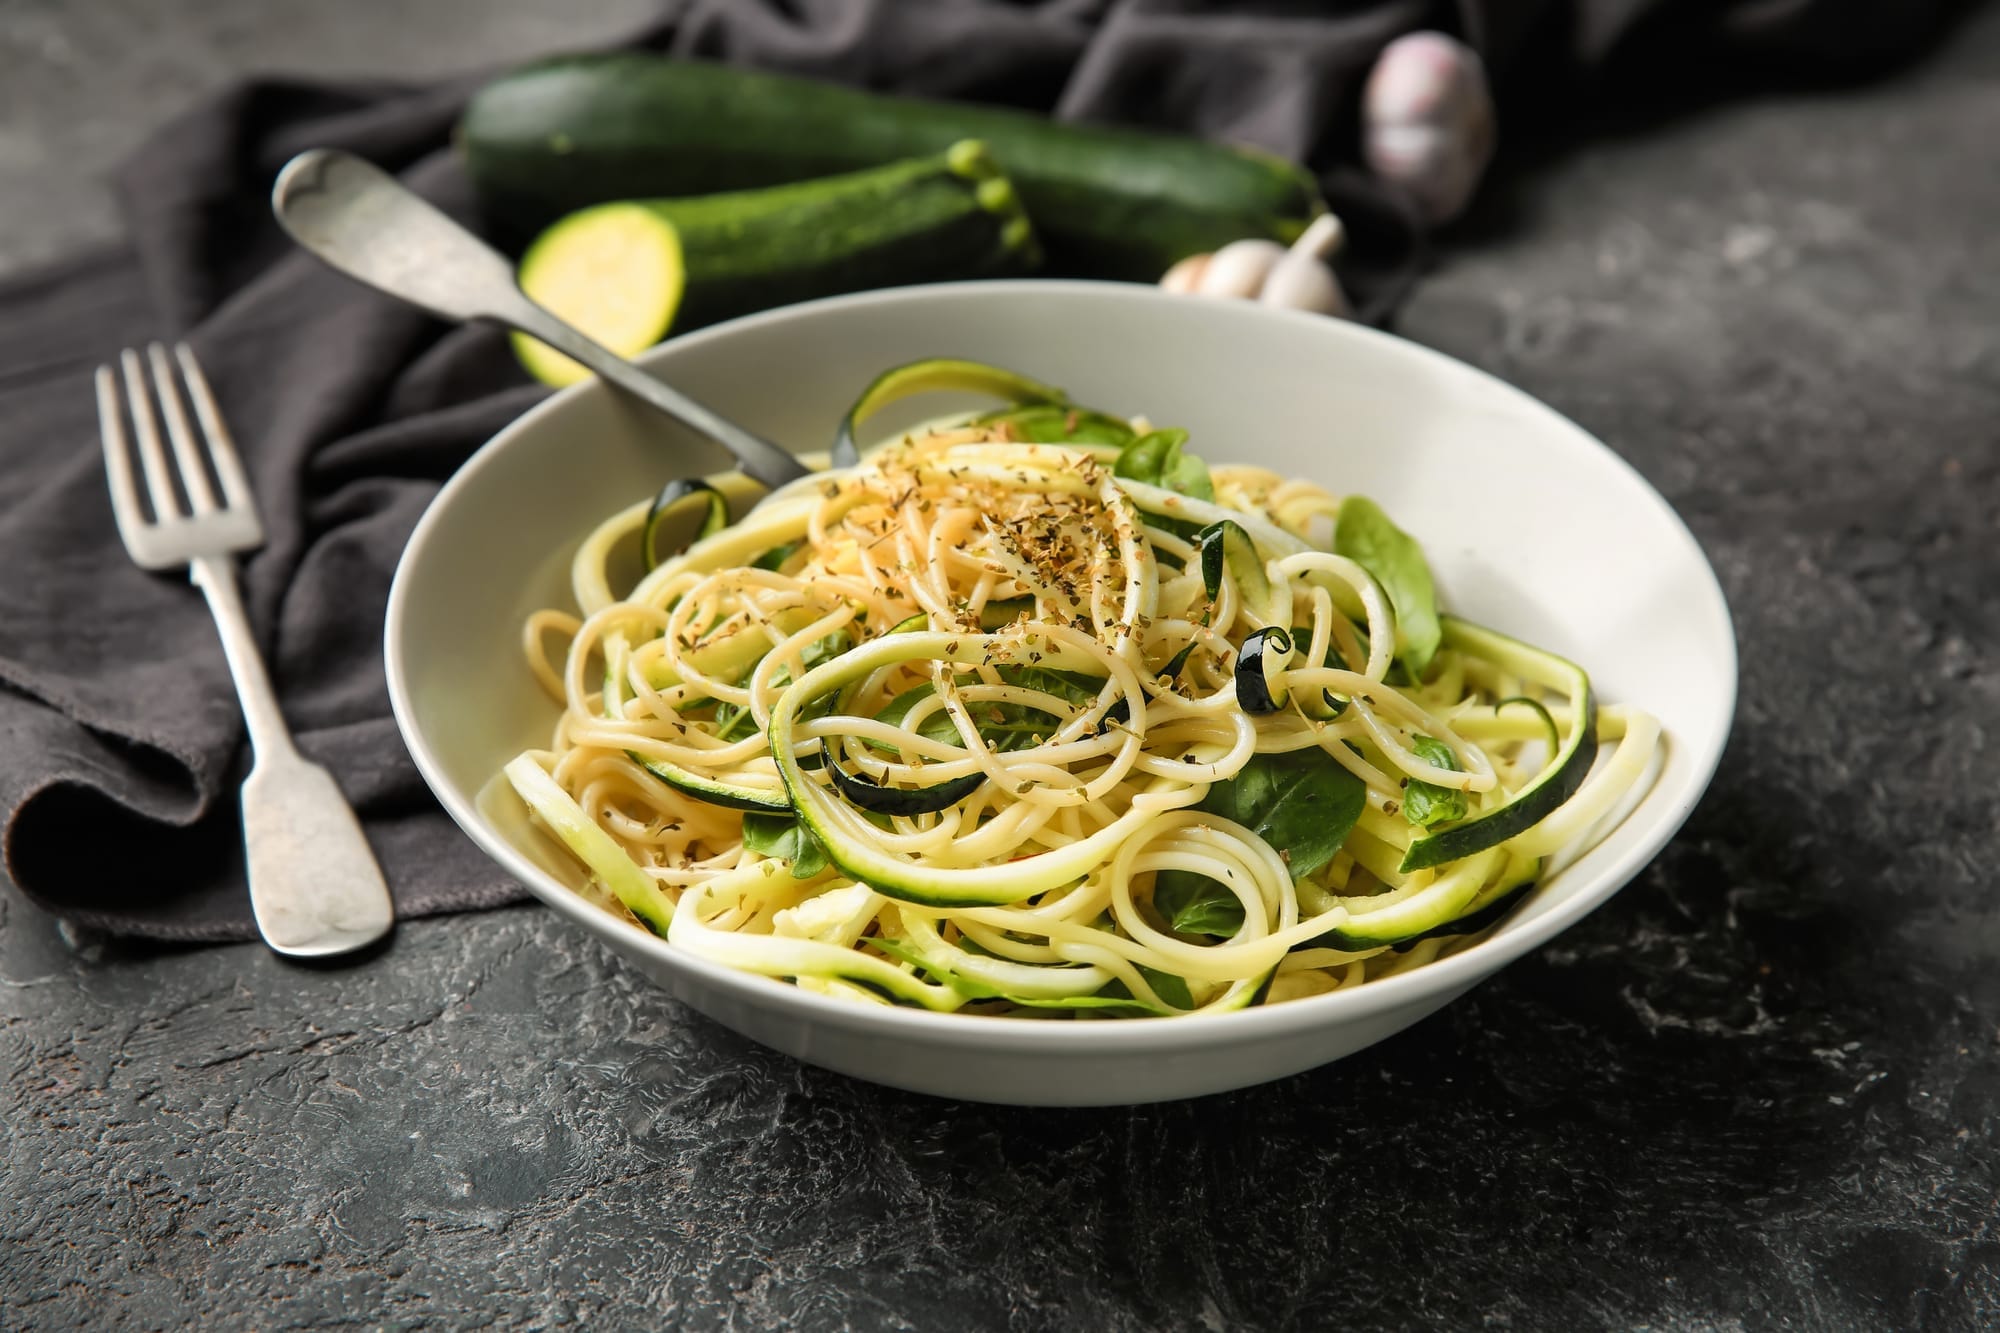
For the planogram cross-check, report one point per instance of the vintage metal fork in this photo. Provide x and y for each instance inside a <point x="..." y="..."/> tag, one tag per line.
<point x="314" y="885"/>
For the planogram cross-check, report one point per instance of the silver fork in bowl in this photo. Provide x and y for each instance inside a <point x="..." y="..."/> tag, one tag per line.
<point x="315" y="888"/>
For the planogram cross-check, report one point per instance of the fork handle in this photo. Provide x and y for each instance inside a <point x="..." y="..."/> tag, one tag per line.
<point x="270" y="738"/>
<point x="315" y="887"/>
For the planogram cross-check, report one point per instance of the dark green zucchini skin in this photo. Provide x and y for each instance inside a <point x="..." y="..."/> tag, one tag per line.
<point x="579" y="130"/>
<point x="952" y="215"/>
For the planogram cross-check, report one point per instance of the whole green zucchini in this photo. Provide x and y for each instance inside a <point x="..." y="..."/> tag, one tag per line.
<point x="629" y="273"/>
<point x="579" y="130"/>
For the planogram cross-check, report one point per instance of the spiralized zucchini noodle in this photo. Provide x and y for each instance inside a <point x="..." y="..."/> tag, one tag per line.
<point x="1036" y="714"/>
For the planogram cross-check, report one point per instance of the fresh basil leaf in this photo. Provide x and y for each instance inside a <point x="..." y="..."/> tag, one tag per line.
<point x="784" y="838"/>
<point x="1055" y="424"/>
<point x="1172" y="989"/>
<point x="775" y="558"/>
<point x="1069" y="686"/>
<point x="1009" y="727"/>
<point x="937" y="727"/>
<point x="1189" y="476"/>
<point x="820" y="650"/>
<point x="735" y="722"/>
<point x="1145" y="459"/>
<point x="1364" y="534"/>
<point x="1426" y="803"/>
<point x="1194" y="904"/>
<point x="1303" y="804"/>
<point x="1157" y="460"/>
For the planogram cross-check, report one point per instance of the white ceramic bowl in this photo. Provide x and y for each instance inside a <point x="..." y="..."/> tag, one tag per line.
<point x="1531" y="525"/>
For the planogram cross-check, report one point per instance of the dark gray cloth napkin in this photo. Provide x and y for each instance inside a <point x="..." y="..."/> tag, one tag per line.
<point x="120" y="741"/>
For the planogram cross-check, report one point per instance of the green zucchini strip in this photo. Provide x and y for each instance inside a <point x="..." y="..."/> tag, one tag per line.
<point x="872" y="796"/>
<point x="1227" y="546"/>
<point x="1493" y="903"/>
<point x="843" y="833"/>
<point x="1446" y="898"/>
<point x="784" y="957"/>
<point x="936" y="375"/>
<point x="592" y="845"/>
<point x="1013" y="980"/>
<point x="1556" y="783"/>
<point x="715" y="516"/>
<point x="1438" y="909"/>
<point x="726" y="794"/>
<point x="617" y="653"/>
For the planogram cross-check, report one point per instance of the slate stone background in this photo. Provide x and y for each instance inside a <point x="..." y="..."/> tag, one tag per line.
<point x="1758" y="1090"/>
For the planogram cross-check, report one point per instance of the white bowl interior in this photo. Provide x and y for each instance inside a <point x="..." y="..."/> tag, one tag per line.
<point x="1531" y="526"/>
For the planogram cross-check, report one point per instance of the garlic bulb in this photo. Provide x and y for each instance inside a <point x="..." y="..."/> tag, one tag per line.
<point x="1427" y="122"/>
<point x="1184" y="278"/>
<point x="1261" y="270"/>
<point x="1239" y="268"/>
<point x="1304" y="282"/>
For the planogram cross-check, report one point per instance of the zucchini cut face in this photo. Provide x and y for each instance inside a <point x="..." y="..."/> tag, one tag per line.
<point x="615" y="271"/>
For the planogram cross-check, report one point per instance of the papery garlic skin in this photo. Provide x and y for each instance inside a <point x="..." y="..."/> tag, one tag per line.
<point x="1184" y="278"/>
<point x="1256" y="269"/>
<point x="1239" y="268"/>
<point x="1304" y="282"/>
<point x="1428" y="123"/>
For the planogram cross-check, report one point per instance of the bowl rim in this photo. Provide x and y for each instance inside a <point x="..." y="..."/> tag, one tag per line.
<point x="1441" y="979"/>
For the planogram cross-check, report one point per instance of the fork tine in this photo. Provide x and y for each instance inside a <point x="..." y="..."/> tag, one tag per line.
<point x="194" y="476"/>
<point x="221" y="448"/>
<point x="118" y="458"/>
<point x="152" y="458"/>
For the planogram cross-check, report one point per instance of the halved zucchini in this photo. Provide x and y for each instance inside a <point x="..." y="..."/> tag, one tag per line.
<point x="616" y="271"/>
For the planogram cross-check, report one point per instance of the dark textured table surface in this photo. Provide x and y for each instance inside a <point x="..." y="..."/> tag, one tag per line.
<point x="1760" y="1089"/>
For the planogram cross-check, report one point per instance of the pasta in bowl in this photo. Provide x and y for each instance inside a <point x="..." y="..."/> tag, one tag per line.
<point x="1526" y="524"/>
<point x="1032" y="712"/>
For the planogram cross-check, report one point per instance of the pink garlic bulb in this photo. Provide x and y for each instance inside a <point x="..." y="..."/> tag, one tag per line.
<point x="1427" y="122"/>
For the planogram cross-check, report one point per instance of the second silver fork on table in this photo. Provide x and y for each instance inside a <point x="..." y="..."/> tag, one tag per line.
<point x="315" y="888"/>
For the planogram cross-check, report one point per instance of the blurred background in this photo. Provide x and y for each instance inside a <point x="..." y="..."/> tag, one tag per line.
<point x="83" y="84"/>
